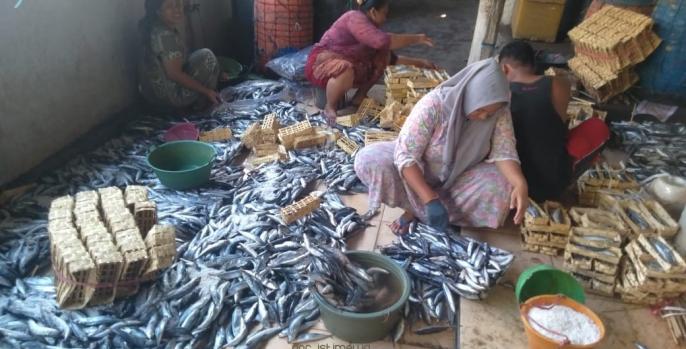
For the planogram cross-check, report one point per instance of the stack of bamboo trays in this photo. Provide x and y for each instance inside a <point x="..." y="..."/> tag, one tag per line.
<point x="405" y="86"/>
<point x="97" y="248"/>
<point x="654" y="271"/>
<point x="594" y="251"/>
<point x="607" y="46"/>
<point x="545" y="229"/>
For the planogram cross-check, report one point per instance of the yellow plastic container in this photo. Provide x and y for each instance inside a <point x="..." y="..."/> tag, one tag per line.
<point x="537" y="20"/>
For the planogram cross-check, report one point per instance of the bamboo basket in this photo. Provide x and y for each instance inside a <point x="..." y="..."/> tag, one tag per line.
<point x="309" y="141"/>
<point x="601" y="83"/>
<point x="623" y="207"/>
<point x="351" y="120"/>
<point x="160" y="235"/>
<point x="369" y="109"/>
<point x="218" y="134"/>
<point x="371" y="137"/>
<point x="267" y="149"/>
<point x="288" y="134"/>
<point x="134" y="194"/>
<point x="252" y="135"/>
<point x="348" y="145"/>
<point x="270" y="122"/>
<point x="62" y="202"/>
<point x="541" y="220"/>
<point x="665" y="225"/>
<point x="145" y="215"/>
<point x="300" y="209"/>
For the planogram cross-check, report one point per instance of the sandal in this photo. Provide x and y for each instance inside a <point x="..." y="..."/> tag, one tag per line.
<point x="403" y="226"/>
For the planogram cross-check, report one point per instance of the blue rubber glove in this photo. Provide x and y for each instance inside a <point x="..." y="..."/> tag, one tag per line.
<point x="436" y="214"/>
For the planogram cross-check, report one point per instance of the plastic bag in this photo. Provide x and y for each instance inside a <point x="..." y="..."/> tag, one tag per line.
<point x="302" y="92"/>
<point x="291" y="66"/>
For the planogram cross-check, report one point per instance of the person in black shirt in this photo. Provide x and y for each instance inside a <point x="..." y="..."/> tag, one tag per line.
<point x="549" y="154"/>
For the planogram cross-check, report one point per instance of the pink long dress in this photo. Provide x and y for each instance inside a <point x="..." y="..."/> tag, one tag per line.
<point x="353" y="41"/>
<point x="480" y="196"/>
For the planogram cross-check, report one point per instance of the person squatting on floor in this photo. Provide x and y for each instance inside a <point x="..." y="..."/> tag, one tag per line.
<point x="455" y="160"/>
<point x="168" y="77"/>
<point x="354" y="53"/>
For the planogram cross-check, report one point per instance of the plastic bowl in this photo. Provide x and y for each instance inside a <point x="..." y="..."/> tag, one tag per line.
<point x="544" y="279"/>
<point x="182" y="164"/>
<point x="537" y="340"/>
<point x="367" y="327"/>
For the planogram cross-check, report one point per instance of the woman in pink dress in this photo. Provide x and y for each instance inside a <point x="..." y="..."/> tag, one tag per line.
<point x="455" y="160"/>
<point x="354" y="53"/>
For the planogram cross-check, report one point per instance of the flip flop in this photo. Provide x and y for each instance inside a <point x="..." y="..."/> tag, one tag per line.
<point x="403" y="224"/>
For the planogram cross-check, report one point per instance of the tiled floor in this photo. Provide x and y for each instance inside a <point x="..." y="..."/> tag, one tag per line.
<point x="494" y="323"/>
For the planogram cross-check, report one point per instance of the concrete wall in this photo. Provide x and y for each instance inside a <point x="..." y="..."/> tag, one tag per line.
<point x="67" y="66"/>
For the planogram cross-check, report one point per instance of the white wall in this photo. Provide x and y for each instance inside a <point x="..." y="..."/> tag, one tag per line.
<point x="65" y="66"/>
<point x="68" y="65"/>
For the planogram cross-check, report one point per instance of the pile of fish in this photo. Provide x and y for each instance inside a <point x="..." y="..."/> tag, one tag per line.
<point x="654" y="148"/>
<point x="241" y="275"/>
<point x="442" y="266"/>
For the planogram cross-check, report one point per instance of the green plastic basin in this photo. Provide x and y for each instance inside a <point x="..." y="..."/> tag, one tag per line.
<point x="230" y="66"/>
<point x="182" y="164"/>
<point x="367" y="327"/>
<point x="544" y="279"/>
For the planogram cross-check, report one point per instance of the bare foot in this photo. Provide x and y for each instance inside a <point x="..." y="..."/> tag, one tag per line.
<point x="402" y="224"/>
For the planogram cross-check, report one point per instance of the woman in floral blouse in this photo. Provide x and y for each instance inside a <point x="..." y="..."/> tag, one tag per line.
<point x="455" y="160"/>
<point x="168" y="76"/>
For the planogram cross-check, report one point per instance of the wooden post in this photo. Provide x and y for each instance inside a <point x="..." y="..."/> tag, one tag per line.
<point x="486" y="29"/>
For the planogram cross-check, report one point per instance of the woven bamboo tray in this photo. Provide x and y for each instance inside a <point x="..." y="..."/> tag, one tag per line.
<point x="369" y="109"/>
<point x="541" y="220"/>
<point x="300" y="209"/>
<point x="270" y="122"/>
<point x="134" y="194"/>
<point x="309" y="141"/>
<point x="288" y="134"/>
<point x="145" y="215"/>
<point x="160" y="235"/>
<point x="348" y="145"/>
<point x="252" y="135"/>
<point x="371" y="137"/>
<point x="218" y="134"/>
<point x="600" y="220"/>
<point x="664" y="224"/>
<point x="350" y="120"/>
<point x="267" y="149"/>
<point x="633" y="215"/>
<point x="62" y="202"/>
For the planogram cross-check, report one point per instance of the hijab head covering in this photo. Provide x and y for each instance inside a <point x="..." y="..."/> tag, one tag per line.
<point x="468" y="141"/>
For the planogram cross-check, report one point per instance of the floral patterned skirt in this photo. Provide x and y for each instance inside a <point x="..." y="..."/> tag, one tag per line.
<point x="479" y="198"/>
